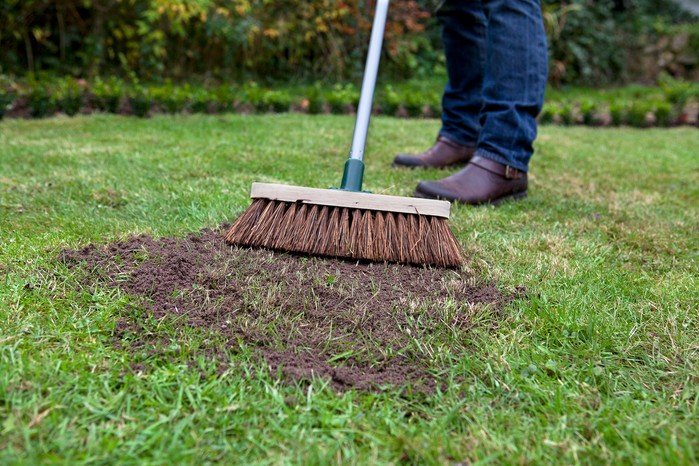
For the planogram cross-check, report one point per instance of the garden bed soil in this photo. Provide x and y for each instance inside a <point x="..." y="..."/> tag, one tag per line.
<point x="355" y="325"/>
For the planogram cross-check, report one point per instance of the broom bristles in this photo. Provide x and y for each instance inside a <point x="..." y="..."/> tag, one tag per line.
<point x="347" y="232"/>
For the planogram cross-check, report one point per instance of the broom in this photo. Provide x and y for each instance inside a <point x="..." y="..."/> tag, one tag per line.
<point x="348" y="222"/>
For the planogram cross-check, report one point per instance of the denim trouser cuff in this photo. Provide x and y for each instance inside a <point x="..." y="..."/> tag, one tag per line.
<point x="460" y="141"/>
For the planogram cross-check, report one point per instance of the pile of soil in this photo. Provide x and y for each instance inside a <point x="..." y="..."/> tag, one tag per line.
<point x="358" y="325"/>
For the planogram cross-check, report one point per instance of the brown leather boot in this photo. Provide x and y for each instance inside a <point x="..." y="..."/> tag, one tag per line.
<point x="482" y="181"/>
<point x="444" y="153"/>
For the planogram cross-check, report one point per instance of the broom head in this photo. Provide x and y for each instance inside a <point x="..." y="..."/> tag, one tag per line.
<point x="354" y="225"/>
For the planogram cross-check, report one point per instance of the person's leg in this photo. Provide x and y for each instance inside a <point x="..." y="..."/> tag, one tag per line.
<point x="515" y="81"/>
<point x="464" y="41"/>
<point x="513" y="93"/>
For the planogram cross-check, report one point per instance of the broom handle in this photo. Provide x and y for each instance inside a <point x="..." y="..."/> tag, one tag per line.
<point x="354" y="167"/>
<point x="371" y="70"/>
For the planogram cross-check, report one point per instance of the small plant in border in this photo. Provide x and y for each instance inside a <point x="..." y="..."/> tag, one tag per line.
<point x="224" y="98"/>
<point x="343" y="98"/>
<point x="638" y="114"/>
<point x="567" y="113"/>
<point x="199" y="100"/>
<point x="255" y="96"/>
<point x="678" y="93"/>
<point x="389" y="101"/>
<point x="316" y="100"/>
<point x="140" y="100"/>
<point x="39" y="98"/>
<point x="107" y="94"/>
<point x="549" y="113"/>
<point x="6" y="99"/>
<point x="588" y="111"/>
<point x="413" y="102"/>
<point x="278" y="101"/>
<point x="69" y="96"/>
<point x="434" y="104"/>
<point x="664" y="115"/>
<point x="617" y="112"/>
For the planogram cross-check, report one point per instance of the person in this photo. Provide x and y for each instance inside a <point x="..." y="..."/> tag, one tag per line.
<point x="496" y="57"/>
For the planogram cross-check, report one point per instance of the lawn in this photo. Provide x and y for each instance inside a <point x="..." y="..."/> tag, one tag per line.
<point x="597" y="363"/>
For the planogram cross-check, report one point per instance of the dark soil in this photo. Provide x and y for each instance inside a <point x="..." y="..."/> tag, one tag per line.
<point x="358" y="325"/>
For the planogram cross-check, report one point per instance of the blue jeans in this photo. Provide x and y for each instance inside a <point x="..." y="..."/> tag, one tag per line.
<point x="497" y="68"/>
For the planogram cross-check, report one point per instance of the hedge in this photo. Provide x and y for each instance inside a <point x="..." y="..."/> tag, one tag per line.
<point x="673" y="102"/>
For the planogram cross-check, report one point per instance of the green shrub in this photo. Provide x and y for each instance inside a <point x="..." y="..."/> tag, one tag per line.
<point x="315" y="39"/>
<point x="199" y="100"/>
<point x="434" y="103"/>
<point x="278" y="101"/>
<point x="6" y="100"/>
<point x="579" y="53"/>
<point x="341" y="98"/>
<point x="597" y="42"/>
<point x="140" y="100"/>
<point x="617" y="112"/>
<point x="316" y="99"/>
<point x="637" y="114"/>
<point x="663" y="113"/>
<point x="255" y="96"/>
<point x="588" y="111"/>
<point x="222" y="39"/>
<point x="39" y="99"/>
<point x="108" y="94"/>
<point x="631" y="105"/>
<point x="68" y="96"/>
<point x="180" y="99"/>
<point x="160" y="94"/>
<point x="413" y="102"/>
<point x="549" y="113"/>
<point x="678" y="92"/>
<point x="567" y="113"/>
<point x="389" y="101"/>
<point x="170" y="98"/>
<point x="224" y="98"/>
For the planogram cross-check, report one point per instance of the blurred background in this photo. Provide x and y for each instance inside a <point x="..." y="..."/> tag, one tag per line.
<point x="52" y="48"/>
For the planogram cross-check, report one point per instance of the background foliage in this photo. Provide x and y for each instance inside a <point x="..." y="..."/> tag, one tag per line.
<point x="591" y="41"/>
<point x="210" y="38"/>
<point x="596" y="42"/>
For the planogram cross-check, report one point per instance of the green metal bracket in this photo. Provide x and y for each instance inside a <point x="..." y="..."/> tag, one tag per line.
<point x="353" y="175"/>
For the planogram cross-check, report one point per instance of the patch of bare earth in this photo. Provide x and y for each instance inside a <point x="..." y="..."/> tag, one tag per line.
<point x="358" y="325"/>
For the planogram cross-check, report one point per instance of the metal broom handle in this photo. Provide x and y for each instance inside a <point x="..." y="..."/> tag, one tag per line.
<point x="361" y="126"/>
<point x="354" y="167"/>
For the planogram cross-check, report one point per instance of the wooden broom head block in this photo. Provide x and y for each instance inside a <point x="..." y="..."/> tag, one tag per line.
<point x="354" y="200"/>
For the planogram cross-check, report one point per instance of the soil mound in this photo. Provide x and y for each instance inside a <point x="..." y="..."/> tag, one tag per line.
<point x="358" y="325"/>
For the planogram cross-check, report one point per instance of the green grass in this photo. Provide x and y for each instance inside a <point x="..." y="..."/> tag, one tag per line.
<point x="599" y="365"/>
